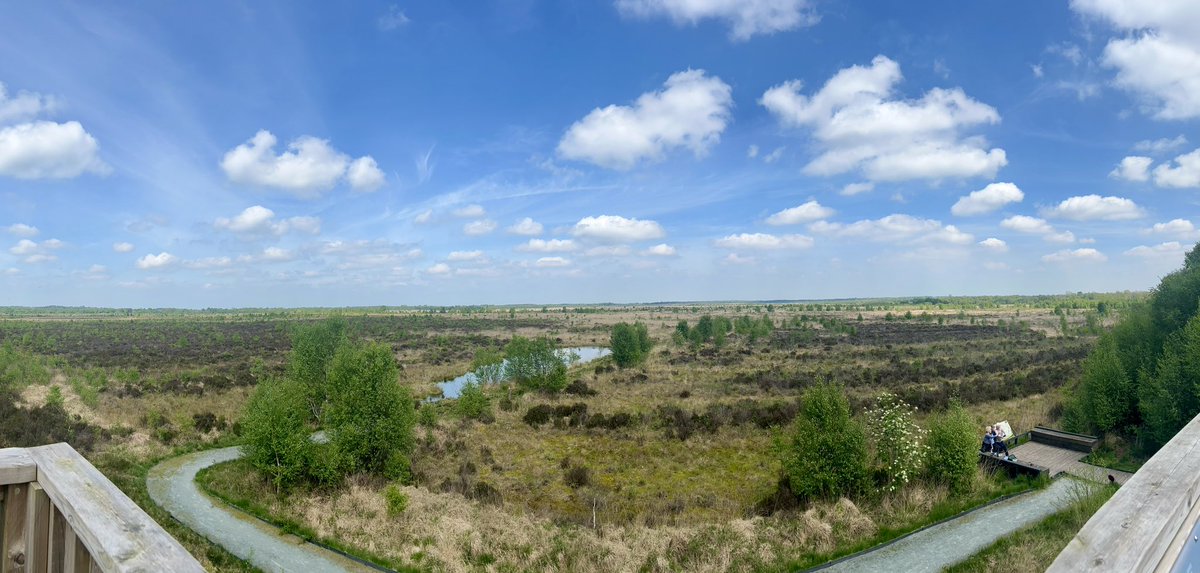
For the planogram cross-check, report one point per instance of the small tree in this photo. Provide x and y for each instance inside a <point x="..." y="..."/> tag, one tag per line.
<point x="276" y="433"/>
<point x="535" y="364"/>
<point x="827" y="456"/>
<point x="630" y="344"/>
<point x="899" y="441"/>
<point x="953" y="448"/>
<point x="370" y="415"/>
<point x="1107" y="393"/>
<point x="313" y="347"/>
<point x="488" y="367"/>
<point x="473" y="404"/>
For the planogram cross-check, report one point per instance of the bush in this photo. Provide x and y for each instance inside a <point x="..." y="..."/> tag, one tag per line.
<point x="899" y="441"/>
<point x="630" y="344"/>
<point x="953" y="455"/>
<point x="472" y="403"/>
<point x="313" y="348"/>
<point x="577" y="476"/>
<point x="370" y="416"/>
<point x="535" y="364"/>
<point x="55" y="398"/>
<point x="827" y="456"/>
<point x="276" y="433"/>
<point x="427" y="416"/>
<point x="396" y="500"/>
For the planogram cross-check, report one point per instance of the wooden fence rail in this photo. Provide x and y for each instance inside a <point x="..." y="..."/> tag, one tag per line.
<point x="58" y="513"/>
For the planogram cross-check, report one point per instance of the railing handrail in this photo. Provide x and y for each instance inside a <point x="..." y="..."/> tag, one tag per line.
<point x="1139" y="527"/>
<point x="119" y="535"/>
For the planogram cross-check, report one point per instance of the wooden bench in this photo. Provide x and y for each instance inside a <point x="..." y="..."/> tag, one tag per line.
<point x="1013" y="468"/>
<point x="1061" y="439"/>
<point x="59" y="513"/>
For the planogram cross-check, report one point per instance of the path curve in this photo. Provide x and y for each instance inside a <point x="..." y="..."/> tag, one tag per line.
<point x="945" y="544"/>
<point x="172" y="485"/>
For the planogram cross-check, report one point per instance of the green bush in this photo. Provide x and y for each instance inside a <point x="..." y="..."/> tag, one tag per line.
<point x="488" y="367"/>
<point x="396" y="500"/>
<point x="472" y="403"/>
<point x="630" y="344"/>
<point x="370" y="416"/>
<point x="827" y="454"/>
<point x="55" y="398"/>
<point x="276" y="433"/>
<point x="953" y="455"/>
<point x="313" y="347"/>
<point x="535" y="364"/>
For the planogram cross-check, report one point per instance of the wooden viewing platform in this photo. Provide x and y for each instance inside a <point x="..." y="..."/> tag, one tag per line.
<point x="58" y="513"/>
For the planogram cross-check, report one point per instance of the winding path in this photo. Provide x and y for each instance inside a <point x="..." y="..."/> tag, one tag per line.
<point x="951" y="542"/>
<point x="172" y="485"/>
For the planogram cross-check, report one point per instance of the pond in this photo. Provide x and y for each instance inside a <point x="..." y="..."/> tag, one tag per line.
<point x="570" y="356"/>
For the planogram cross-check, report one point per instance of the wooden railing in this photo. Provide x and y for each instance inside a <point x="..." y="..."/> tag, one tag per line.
<point x="59" y="513"/>
<point x="1147" y="523"/>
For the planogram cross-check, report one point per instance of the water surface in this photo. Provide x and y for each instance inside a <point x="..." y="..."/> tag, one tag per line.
<point x="570" y="356"/>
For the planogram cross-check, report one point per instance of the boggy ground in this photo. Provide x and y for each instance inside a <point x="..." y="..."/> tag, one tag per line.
<point x="664" y="466"/>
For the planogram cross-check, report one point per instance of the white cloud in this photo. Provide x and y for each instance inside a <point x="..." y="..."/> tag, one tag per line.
<point x="439" y="269"/>
<point x="1096" y="208"/>
<point x="660" y="250"/>
<point x="736" y="259"/>
<point x="393" y="19"/>
<point x="122" y="247"/>
<point x="1182" y="228"/>
<point x="471" y="211"/>
<point x="24" y="106"/>
<point x="987" y="200"/>
<point x="752" y="151"/>
<point x="551" y="262"/>
<point x="1183" y="172"/>
<point x="1132" y="168"/>
<point x="364" y="174"/>
<point x="40" y="258"/>
<point x="158" y="261"/>
<point x="774" y="156"/>
<point x="276" y="254"/>
<point x="1082" y="255"/>
<point x="24" y="247"/>
<point x="691" y="111"/>
<point x="258" y="219"/>
<point x="805" y="213"/>
<point x="994" y="244"/>
<point x="1168" y="249"/>
<point x="423" y="217"/>
<point x="1037" y="70"/>
<point x="34" y="252"/>
<point x="608" y="251"/>
<point x="48" y="150"/>
<point x="209" y="263"/>
<point x="764" y="241"/>
<point x="482" y="227"/>
<point x="895" y="227"/>
<point x="1163" y="145"/>
<point x="1027" y="224"/>
<point x="526" y="227"/>
<point x="1065" y="237"/>
<point x="862" y="127"/>
<point x="308" y="167"/>
<point x="465" y="256"/>
<point x="550" y="246"/>
<point x="1159" y="59"/>
<point x="617" y="229"/>
<point x="852" y="189"/>
<point x="745" y="18"/>
<point x="21" y="229"/>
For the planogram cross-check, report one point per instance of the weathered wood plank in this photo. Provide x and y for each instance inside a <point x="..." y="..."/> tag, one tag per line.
<point x="115" y="531"/>
<point x="83" y="560"/>
<point x="57" y="535"/>
<point x="16" y="515"/>
<point x="16" y="466"/>
<point x="39" y="530"/>
<point x="69" y="545"/>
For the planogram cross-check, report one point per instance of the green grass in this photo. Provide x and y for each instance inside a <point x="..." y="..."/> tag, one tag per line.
<point x="947" y="509"/>
<point x="1034" y="548"/>
<point x="1107" y="458"/>
<point x="244" y="501"/>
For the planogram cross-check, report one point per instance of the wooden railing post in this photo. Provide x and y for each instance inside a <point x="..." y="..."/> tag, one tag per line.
<point x="39" y="530"/>
<point x="16" y="516"/>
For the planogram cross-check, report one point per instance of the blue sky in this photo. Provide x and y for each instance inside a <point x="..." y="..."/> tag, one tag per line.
<point x="225" y="154"/>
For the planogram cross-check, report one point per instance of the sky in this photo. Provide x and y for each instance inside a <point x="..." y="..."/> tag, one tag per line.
<point x="307" y="153"/>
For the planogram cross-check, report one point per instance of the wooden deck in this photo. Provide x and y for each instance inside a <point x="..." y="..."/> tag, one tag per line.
<point x="1062" y="460"/>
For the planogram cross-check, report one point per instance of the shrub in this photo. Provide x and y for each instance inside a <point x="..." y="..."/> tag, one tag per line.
<point x="827" y="456"/>
<point x="577" y="476"/>
<point x="313" y="348"/>
<point x="276" y="434"/>
<point x="630" y="344"/>
<point x="472" y="403"/>
<point x="396" y="500"/>
<point x="535" y="364"/>
<point x="370" y="416"/>
<point x="488" y="367"/>
<point x="953" y="455"/>
<point x="55" y="398"/>
<point x="427" y="416"/>
<point x="899" y="441"/>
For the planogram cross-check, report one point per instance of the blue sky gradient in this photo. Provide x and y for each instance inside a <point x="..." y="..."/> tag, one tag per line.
<point x="225" y="154"/>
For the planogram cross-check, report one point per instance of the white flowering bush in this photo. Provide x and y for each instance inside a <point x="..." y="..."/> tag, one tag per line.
<point x="899" y="442"/>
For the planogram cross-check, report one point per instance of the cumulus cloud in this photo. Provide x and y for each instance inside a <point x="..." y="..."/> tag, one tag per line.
<point x="1088" y="255"/>
<point x="550" y="246"/>
<point x="987" y="200"/>
<point x="365" y="175"/>
<point x="161" y="260"/>
<point x="617" y="229"/>
<point x="471" y="211"/>
<point x="893" y="228"/>
<point x="805" y="213"/>
<point x="34" y="252"/>
<point x="690" y="111"/>
<point x="481" y="227"/>
<point x="465" y="256"/>
<point x="1159" y="60"/>
<point x="526" y="227"/>
<point x="122" y="247"/>
<point x="1183" y="172"/>
<point x="1034" y="226"/>
<point x="660" y="250"/>
<point x="745" y="18"/>
<point x="1132" y="168"/>
<point x="764" y="241"/>
<point x="1162" y="145"/>
<point x="852" y="189"/>
<point x="861" y="126"/>
<point x="1168" y="249"/>
<point x="21" y="229"/>
<point x="1181" y="228"/>
<point x="23" y="106"/>
<point x="49" y="150"/>
<point x="994" y="244"/>
<point x="308" y="167"/>
<point x="439" y="269"/>
<point x="1096" y="208"/>
<point x="774" y="156"/>
<point x="551" y="262"/>
<point x="367" y="254"/>
<point x="261" y="220"/>
<point x="608" y="251"/>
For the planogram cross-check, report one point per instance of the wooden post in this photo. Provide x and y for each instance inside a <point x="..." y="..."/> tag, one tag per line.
<point x="39" y="530"/>
<point x="83" y="560"/>
<point x="16" y="515"/>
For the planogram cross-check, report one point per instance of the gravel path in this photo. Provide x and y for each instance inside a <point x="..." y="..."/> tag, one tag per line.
<point x="942" y="545"/>
<point x="172" y="485"/>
